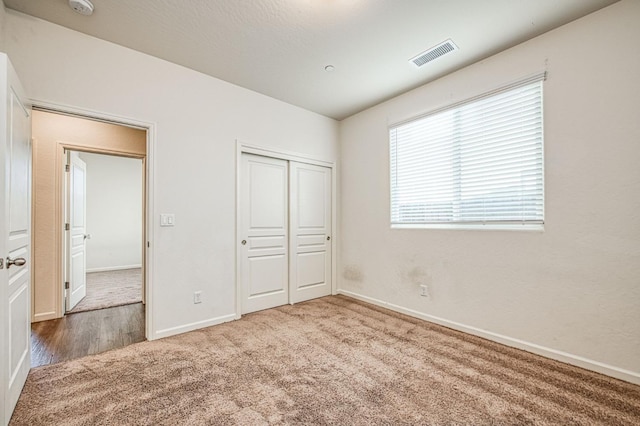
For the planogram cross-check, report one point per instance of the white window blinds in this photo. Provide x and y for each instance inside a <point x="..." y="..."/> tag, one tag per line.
<point x="478" y="162"/>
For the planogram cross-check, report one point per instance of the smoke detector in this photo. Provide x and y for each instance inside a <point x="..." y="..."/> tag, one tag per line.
<point x="83" y="7"/>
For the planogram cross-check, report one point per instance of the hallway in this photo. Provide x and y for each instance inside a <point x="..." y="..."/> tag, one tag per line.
<point x="86" y="333"/>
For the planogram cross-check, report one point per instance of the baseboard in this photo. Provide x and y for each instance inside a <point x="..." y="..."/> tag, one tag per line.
<point x="192" y="326"/>
<point x="578" y="361"/>
<point x="44" y="316"/>
<point x="113" y="268"/>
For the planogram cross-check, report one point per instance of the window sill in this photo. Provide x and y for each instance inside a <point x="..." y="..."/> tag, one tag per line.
<point x="534" y="227"/>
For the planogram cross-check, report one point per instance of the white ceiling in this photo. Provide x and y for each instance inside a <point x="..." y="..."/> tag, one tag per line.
<point x="281" y="47"/>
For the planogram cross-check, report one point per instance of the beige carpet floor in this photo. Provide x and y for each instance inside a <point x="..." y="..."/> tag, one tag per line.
<point x="111" y="288"/>
<point x="328" y="361"/>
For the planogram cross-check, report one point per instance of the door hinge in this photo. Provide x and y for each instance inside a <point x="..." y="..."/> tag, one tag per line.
<point x="66" y="227"/>
<point x="67" y="168"/>
<point x="66" y="285"/>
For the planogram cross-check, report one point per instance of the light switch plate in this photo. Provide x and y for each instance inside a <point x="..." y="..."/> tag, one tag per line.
<point x="167" y="219"/>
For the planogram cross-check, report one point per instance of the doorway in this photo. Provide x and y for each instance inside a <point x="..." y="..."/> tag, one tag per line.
<point x="104" y="243"/>
<point x="72" y="239"/>
<point x="285" y="219"/>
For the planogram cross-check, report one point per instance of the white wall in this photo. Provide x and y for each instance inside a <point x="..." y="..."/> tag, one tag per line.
<point x="3" y="33"/>
<point x="573" y="289"/>
<point x="197" y="121"/>
<point x="114" y="212"/>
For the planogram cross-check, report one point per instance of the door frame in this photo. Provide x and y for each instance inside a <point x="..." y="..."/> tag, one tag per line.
<point x="148" y="196"/>
<point x="247" y="148"/>
<point x="66" y="147"/>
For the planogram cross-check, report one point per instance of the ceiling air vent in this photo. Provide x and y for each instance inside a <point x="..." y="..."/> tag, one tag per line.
<point x="434" y="53"/>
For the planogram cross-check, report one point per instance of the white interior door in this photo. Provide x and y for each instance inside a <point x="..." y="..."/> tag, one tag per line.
<point x="15" y="237"/>
<point x="310" y="210"/>
<point x="264" y="232"/>
<point x="76" y="274"/>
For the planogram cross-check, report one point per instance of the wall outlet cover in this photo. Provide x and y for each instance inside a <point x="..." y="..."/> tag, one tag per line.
<point x="424" y="291"/>
<point x="167" y="219"/>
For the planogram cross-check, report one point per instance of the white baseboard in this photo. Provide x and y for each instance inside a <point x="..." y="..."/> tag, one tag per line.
<point x="114" y="268"/>
<point x="192" y="326"/>
<point x="578" y="361"/>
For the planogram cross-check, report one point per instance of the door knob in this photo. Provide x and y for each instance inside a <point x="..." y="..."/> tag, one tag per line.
<point x="328" y="238"/>
<point x="20" y="261"/>
<point x="243" y="242"/>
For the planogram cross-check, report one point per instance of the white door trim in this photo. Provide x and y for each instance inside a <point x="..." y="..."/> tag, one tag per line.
<point x="265" y="151"/>
<point x="150" y="128"/>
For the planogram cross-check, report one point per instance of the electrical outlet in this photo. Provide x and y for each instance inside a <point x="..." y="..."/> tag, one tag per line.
<point x="197" y="297"/>
<point x="424" y="290"/>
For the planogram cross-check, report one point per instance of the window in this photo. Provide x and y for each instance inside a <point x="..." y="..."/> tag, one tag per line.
<point x="474" y="164"/>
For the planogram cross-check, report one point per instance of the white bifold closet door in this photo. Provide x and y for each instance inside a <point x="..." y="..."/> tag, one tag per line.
<point x="285" y="224"/>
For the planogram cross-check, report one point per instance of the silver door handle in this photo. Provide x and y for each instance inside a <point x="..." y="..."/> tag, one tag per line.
<point x="20" y="261"/>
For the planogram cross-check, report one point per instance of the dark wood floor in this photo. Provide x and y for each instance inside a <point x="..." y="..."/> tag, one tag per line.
<point x="86" y="333"/>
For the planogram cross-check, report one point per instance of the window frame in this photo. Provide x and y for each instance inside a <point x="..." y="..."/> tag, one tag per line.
<point x="496" y="225"/>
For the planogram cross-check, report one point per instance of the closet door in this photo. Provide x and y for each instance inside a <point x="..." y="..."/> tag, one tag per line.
<point x="310" y="229"/>
<point x="264" y="228"/>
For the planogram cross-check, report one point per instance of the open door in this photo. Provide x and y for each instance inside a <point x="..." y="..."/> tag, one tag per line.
<point x="75" y="229"/>
<point x="15" y="238"/>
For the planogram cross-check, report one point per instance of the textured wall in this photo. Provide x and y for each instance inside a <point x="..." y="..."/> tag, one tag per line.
<point x="3" y="32"/>
<point x="197" y="121"/>
<point x="575" y="287"/>
<point x="49" y="131"/>
<point x="114" y="212"/>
